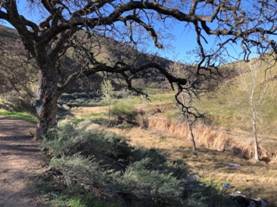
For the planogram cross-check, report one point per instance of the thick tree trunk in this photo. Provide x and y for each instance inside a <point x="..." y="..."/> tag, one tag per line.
<point x="46" y="105"/>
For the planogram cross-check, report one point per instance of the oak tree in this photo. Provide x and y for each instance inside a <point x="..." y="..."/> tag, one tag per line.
<point x="249" y="24"/>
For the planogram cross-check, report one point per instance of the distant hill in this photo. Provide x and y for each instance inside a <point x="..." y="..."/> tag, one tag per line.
<point x="108" y="51"/>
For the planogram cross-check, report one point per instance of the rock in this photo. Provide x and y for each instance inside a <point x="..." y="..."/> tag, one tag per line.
<point x="193" y="178"/>
<point x="226" y="186"/>
<point x="244" y="201"/>
<point x="233" y="166"/>
<point x="65" y="107"/>
<point x="261" y="202"/>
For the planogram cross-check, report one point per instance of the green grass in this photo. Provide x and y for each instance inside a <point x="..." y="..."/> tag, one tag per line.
<point x="79" y="201"/>
<point x="228" y="106"/>
<point x="123" y="108"/>
<point x="18" y="115"/>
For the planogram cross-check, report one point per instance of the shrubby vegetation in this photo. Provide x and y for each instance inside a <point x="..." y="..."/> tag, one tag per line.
<point x="102" y="166"/>
<point x="124" y="111"/>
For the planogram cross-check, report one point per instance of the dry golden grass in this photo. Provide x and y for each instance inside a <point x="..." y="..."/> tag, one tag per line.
<point x="213" y="138"/>
<point x="212" y="165"/>
<point x="86" y="111"/>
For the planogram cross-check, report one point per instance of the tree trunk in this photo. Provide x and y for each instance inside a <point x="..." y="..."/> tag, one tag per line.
<point x="46" y="105"/>
<point x="192" y="137"/>
<point x="254" y="129"/>
<point x="252" y="103"/>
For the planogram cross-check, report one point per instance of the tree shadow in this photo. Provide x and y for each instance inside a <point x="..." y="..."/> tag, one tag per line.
<point x="114" y="154"/>
<point x="26" y="196"/>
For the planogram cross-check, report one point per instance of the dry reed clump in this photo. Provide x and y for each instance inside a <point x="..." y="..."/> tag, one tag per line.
<point x="209" y="137"/>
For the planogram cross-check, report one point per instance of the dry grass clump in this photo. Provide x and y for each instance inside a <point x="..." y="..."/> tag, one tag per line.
<point x="209" y="137"/>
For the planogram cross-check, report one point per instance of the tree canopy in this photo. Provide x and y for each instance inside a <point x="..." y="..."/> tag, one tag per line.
<point x="250" y="24"/>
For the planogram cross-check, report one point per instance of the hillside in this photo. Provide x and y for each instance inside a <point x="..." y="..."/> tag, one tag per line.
<point x="106" y="50"/>
<point x="224" y="139"/>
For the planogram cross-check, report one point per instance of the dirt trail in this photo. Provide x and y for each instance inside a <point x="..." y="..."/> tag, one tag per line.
<point x="20" y="161"/>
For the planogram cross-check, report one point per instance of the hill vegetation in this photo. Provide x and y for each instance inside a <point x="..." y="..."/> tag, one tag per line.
<point x="224" y="137"/>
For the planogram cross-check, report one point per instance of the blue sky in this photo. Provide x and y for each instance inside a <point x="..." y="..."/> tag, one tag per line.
<point x="179" y="43"/>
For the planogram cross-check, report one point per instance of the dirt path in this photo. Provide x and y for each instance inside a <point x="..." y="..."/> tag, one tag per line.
<point x="20" y="161"/>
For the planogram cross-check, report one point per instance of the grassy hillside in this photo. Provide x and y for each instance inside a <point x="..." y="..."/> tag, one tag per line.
<point x="228" y="106"/>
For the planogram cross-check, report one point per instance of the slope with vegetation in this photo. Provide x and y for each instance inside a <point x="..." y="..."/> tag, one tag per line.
<point x="95" y="167"/>
<point x="224" y="138"/>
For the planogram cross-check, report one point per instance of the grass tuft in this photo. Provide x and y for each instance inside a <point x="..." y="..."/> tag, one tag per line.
<point x="18" y="115"/>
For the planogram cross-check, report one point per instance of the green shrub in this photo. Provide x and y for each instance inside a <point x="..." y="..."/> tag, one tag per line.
<point x="60" y="139"/>
<point x="124" y="111"/>
<point x="86" y="200"/>
<point x="79" y="171"/>
<point x="75" y="202"/>
<point x="151" y="184"/>
<point x="108" y="147"/>
<point x="98" y="161"/>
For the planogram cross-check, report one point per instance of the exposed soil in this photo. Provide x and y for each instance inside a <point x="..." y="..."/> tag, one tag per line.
<point x="20" y="161"/>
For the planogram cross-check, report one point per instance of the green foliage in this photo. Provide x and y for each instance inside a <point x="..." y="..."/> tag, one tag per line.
<point x="123" y="108"/>
<point x="75" y="202"/>
<point x="95" y="160"/>
<point x="69" y="139"/>
<point x="78" y="170"/>
<point x="58" y="140"/>
<point x="146" y="183"/>
<point x="86" y="200"/>
<point x="124" y="111"/>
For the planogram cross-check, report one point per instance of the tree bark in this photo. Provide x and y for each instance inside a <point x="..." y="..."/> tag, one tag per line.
<point x="46" y="105"/>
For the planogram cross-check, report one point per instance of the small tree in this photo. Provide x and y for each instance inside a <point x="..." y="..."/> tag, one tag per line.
<point x="190" y="118"/>
<point x="253" y="107"/>
<point x="256" y="89"/>
<point x="108" y="93"/>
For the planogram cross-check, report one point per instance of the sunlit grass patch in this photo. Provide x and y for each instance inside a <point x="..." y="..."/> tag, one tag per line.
<point x="18" y="115"/>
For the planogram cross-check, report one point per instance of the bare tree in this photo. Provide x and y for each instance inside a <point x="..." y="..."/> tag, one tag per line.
<point x="186" y="100"/>
<point x="253" y="107"/>
<point x="248" y="23"/>
<point x="255" y="81"/>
